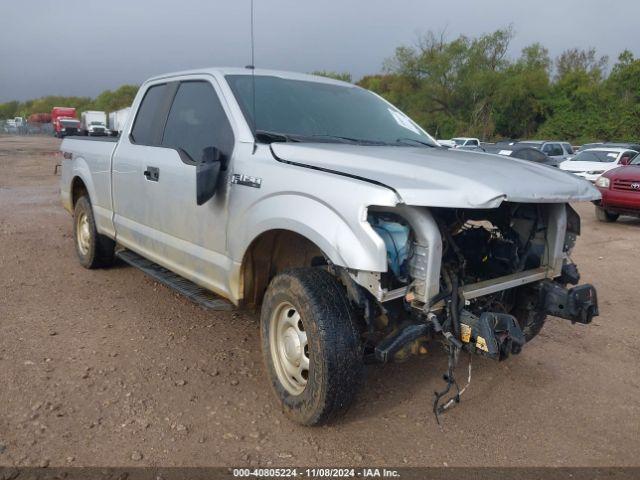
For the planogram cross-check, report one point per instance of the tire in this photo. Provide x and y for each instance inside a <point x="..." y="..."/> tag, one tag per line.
<point x="332" y="349"/>
<point x="525" y="311"/>
<point x="94" y="250"/>
<point x="604" y="216"/>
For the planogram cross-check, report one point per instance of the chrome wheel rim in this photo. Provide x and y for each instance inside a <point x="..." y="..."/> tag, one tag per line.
<point x="83" y="233"/>
<point x="289" y="348"/>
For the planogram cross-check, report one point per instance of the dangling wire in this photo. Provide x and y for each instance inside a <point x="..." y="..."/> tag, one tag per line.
<point x="439" y="409"/>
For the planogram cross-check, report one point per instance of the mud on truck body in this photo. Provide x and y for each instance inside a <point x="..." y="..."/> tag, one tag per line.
<point x="357" y="237"/>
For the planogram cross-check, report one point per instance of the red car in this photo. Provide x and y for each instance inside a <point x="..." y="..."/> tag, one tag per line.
<point x="620" y="190"/>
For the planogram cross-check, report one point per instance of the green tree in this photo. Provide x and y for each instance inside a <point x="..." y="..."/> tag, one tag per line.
<point x="343" y="76"/>
<point x="454" y="82"/>
<point x="519" y="106"/>
<point x="110" y="101"/>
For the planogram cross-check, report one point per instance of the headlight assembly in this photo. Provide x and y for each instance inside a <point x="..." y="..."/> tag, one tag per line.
<point x="603" y="182"/>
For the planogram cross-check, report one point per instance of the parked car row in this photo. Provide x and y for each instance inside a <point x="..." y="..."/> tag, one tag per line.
<point x="614" y="167"/>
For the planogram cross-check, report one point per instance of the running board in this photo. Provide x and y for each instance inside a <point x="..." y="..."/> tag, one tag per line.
<point x="174" y="281"/>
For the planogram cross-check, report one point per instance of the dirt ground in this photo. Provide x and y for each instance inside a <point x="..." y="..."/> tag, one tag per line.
<point x="109" y="368"/>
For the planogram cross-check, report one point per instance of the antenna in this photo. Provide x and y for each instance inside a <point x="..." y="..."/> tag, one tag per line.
<point x="252" y="39"/>
<point x="253" y="73"/>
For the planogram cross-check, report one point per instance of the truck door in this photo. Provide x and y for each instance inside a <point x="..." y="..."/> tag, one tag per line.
<point x="154" y="179"/>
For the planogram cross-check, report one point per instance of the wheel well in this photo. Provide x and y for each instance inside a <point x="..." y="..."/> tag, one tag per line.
<point x="78" y="189"/>
<point x="271" y="253"/>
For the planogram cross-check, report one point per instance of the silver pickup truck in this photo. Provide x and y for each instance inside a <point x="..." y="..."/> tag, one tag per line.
<point x="355" y="234"/>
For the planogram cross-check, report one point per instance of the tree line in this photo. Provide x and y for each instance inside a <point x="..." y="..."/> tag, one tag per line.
<point x="108" y="101"/>
<point x="472" y="87"/>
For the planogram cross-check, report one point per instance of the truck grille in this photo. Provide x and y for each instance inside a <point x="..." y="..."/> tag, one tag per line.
<point x="626" y="185"/>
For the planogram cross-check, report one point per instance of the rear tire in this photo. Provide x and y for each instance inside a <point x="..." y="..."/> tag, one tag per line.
<point x="604" y="216"/>
<point x="94" y="250"/>
<point x="310" y="344"/>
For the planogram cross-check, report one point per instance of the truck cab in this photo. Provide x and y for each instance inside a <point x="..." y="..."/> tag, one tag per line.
<point x="330" y="212"/>
<point x="93" y="123"/>
<point x="65" y="121"/>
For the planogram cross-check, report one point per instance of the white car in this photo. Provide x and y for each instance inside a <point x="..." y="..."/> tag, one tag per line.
<point x="592" y="163"/>
<point x="466" y="142"/>
<point x="447" y="143"/>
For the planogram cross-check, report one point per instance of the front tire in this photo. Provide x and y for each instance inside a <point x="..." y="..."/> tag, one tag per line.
<point x="94" y="250"/>
<point x="604" y="216"/>
<point x="530" y="319"/>
<point x="310" y="344"/>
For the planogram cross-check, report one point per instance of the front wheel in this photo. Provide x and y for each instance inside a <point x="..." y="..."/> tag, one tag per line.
<point x="530" y="319"/>
<point x="310" y="344"/>
<point x="604" y="216"/>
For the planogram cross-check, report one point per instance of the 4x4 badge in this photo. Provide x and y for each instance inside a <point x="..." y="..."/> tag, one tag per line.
<point x="246" y="180"/>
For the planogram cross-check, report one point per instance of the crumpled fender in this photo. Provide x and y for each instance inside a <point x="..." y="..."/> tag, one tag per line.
<point x="354" y="245"/>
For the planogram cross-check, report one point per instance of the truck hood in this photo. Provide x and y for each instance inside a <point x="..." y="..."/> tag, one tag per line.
<point x="443" y="178"/>
<point x="628" y="172"/>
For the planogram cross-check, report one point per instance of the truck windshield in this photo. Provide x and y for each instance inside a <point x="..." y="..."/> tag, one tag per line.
<point x="309" y="111"/>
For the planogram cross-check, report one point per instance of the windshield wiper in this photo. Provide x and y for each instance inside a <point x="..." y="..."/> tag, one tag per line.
<point x="357" y="141"/>
<point x="415" y="140"/>
<point x="267" y="136"/>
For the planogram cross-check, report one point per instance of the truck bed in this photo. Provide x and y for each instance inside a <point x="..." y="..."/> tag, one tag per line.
<point x="103" y="138"/>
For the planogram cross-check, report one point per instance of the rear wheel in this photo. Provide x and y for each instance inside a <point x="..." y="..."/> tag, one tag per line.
<point x="604" y="216"/>
<point x="94" y="250"/>
<point x="310" y="345"/>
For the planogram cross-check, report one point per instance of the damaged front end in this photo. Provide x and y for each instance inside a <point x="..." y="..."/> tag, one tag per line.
<point x="476" y="280"/>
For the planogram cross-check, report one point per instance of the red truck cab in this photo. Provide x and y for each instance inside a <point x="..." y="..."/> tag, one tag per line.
<point x="65" y="121"/>
<point x="620" y="189"/>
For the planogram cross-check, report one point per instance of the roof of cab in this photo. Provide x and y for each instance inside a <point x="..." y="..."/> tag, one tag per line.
<point x="247" y="71"/>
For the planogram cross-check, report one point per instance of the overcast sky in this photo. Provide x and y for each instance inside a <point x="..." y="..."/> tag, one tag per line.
<point x="82" y="47"/>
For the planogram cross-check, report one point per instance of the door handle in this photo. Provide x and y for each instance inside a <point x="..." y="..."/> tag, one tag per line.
<point x="152" y="174"/>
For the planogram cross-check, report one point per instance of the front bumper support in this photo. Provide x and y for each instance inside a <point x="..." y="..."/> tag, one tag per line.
<point x="579" y="304"/>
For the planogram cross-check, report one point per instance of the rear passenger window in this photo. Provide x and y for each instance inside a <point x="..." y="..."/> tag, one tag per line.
<point x="144" y="127"/>
<point x="197" y="121"/>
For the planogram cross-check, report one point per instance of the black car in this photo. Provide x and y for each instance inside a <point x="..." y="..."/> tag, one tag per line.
<point x="524" y="152"/>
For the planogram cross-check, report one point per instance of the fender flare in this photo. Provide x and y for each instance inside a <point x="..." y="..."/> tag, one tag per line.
<point x="102" y="215"/>
<point x="80" y="169"/>
<point x="354" y="246"/>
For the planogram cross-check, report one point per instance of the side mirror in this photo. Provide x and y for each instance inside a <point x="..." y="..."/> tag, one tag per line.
<point x="207" y="173"/>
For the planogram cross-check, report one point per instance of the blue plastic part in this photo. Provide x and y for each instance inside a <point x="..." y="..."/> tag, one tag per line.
<point x="396" y="239"/>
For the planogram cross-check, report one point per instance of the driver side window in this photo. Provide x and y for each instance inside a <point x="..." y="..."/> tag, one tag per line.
<point x="197" y="122"/>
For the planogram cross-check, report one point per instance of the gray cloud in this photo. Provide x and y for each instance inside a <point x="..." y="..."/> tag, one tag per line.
<point x="76" y="47"/>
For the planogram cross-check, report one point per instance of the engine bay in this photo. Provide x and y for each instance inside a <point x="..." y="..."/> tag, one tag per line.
<point x="515" y="261"/>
